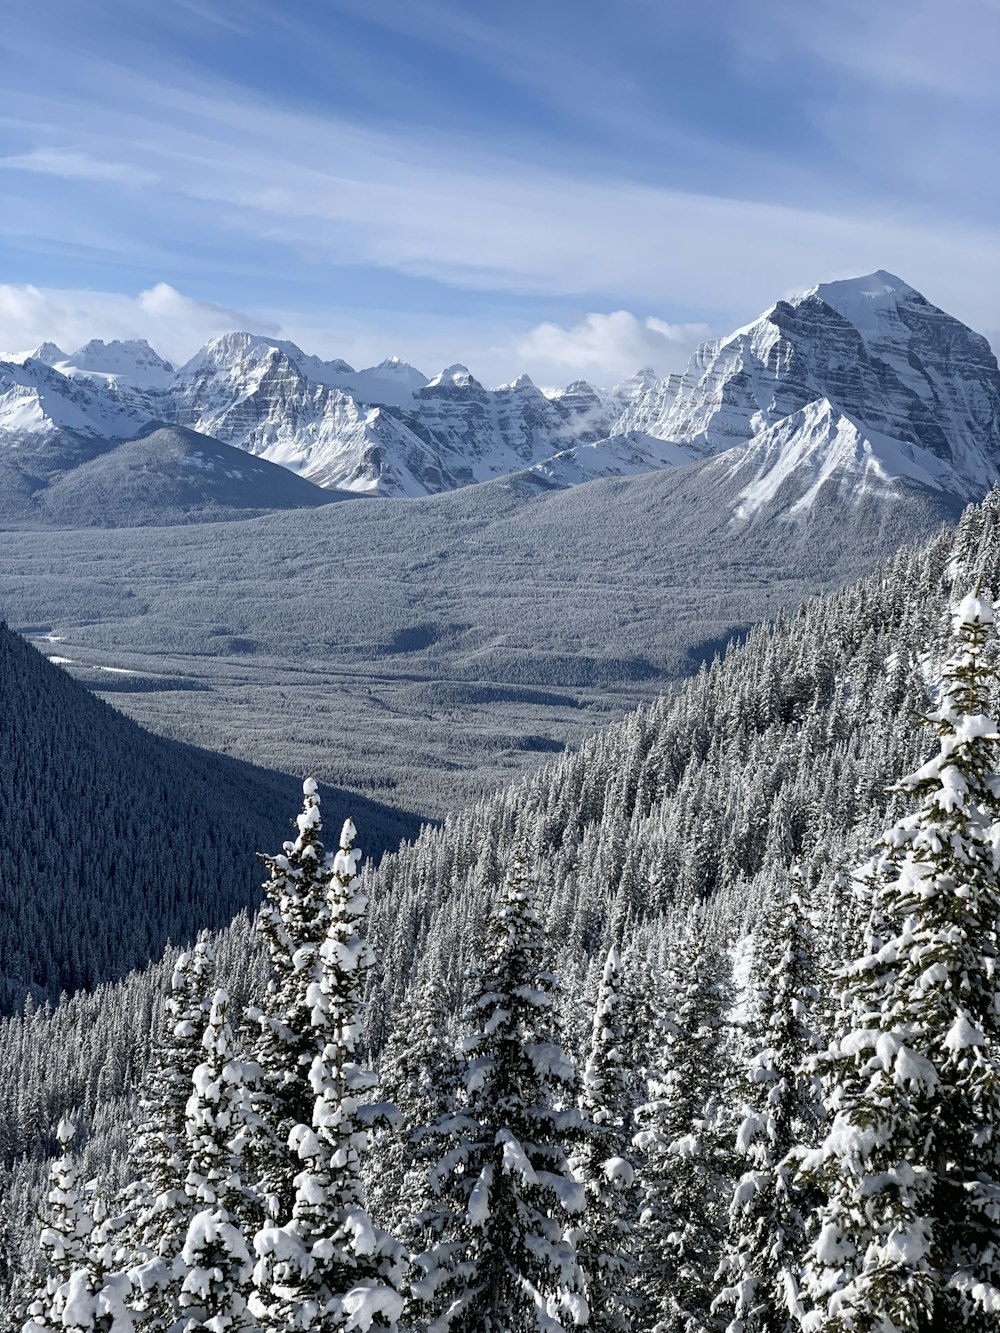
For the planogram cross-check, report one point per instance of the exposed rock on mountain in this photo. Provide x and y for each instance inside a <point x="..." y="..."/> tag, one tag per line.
<point x="37" y="400"/>
<point x="876" y="351"/>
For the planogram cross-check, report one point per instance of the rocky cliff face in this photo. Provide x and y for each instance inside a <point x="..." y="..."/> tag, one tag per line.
<point x="412" y="437"/>
<point x="874" y="349"/>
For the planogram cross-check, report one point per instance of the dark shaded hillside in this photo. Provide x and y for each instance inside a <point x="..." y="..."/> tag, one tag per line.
<point x="114" y="840"/>
<point x="165" y="475"/>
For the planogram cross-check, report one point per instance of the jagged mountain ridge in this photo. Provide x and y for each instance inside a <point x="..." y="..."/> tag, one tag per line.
<point x="414" y="437"/>
<point x="873" y="348"/>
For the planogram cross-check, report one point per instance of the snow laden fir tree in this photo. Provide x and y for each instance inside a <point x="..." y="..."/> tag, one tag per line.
<point x="500" y="1258"/>
<point x="158" y="1207"/>
<point x="778" y="1098"/>
<point x="86" y="1291"/>
<point x="325" y="1266"/>
<point x="907" y="1237"/>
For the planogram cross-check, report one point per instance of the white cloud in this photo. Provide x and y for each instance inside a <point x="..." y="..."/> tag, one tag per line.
<point x="608" y="346"/>
<point x="175" y="324"/>
<point x="601" y="347"/>
<point x="70" y="164"/>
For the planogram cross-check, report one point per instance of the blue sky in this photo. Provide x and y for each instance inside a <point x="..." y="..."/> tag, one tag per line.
<point x="565" y="186"/>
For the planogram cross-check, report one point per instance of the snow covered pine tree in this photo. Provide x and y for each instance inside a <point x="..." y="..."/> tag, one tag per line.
<point x="681" y="1215"/>
<point x="604" y="1236"/>
<point x="329" y="1267"/>
<point x="84" y="1294"/>
<point x="158" y="1206"/>
<point x="293" y="920"/>
<point x="418" y="1078"/>
<point x="908" y="1235"/>
<point x="502" y="1262"/>
<point x="767" y="1218"/>
<point x="214" y="1262"/>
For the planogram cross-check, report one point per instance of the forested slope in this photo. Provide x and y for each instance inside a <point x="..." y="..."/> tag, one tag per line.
<point x="777" y="756"/>
<point x="113" y="840"/>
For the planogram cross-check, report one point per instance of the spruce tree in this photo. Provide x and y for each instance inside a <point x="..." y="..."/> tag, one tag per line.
<point x="293" y="921"/>
<point x="911" y="1164"/>
<point x="65" y="1235"/>
<point x="499" y="1259"/>
<point x="681" y="1218"/>
<point x="605" y="1234"/>
<point x="782" y="1113"/>
<point x="329" y="1267"/>
<point x="417" y="1078"/>
<point x="159" y="1207"/>
<point x="86" y="1291"/>
<point x="212" y="1271"/>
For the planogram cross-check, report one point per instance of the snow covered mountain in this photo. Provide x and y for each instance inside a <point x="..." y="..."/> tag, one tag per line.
<point x="131" y="363"/>
<point x="624" y="454"/>
<point x="645" y="401"/>
<point x="37" y="400"/>
<point x="788" y="464"/>
<point x="83" y="450"/>
<point x="918" y="386"/>
<point x="387" y="430"/>
<point x="234" y="357"/>
<point x="169" y="475"/>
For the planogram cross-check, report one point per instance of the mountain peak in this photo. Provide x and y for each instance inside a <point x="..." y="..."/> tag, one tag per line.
<point x="523" y="381"/>
<point x="48" y="352"/>
<point x="456" y="376"/>
<point x="227" y="348"/>
<point x="129" y="359"/>
<point x="97" y="346"/>
<point x="647" y="375"/>
<point x="636" y="384"/>
<point x="861" y="300"/>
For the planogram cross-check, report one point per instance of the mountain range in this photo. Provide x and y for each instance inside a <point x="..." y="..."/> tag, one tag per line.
<point x="861" y="385"/>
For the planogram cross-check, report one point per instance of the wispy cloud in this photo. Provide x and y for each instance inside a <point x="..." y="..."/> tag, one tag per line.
<point x="799" y="163"/>
<point x="456" y="214"/>
<point x="904" y="94"/>
<point x="174" y="323"/>
<point x="919" y="45"/>
<point x="608" y="346"/>
<point x="603" y="347"/>
<point x="73" y="165"/>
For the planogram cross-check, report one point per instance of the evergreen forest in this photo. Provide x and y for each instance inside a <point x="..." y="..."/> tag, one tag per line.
<point x="693" y="1031"/>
